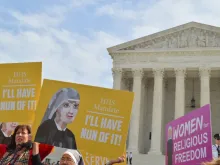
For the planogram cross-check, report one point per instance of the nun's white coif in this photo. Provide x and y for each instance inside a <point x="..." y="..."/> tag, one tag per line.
<point x="76" y="156"/>
<point x="58" y="99"/>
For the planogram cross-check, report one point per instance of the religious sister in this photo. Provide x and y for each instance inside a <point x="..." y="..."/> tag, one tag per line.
<point x="60" y="113"/>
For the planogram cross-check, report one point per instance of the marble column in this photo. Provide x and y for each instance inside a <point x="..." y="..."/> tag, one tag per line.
<point x="180" y="92"/>
<point x="117" y="78"/>
<point x="157" y="112"/>
<point x="144" y="134"/>
<point x="135" y="114"/>
<point x="205" y="86"/>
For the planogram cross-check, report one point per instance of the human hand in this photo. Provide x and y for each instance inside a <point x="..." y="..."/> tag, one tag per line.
<point x="120" y="159"/>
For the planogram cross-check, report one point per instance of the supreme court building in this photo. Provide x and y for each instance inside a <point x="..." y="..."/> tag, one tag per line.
<point x="171" y="72"/>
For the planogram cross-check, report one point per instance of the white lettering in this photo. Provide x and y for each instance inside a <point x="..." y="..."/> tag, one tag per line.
<point x="191" y="142"/>
<point x="25" y="92"/>
<point x="111" y="124"/>
<point x="89" y="134"/>
<point x="188" y="127"/>
<point x="7" y="105"/>
<point x="95" y="160"/>
<point x="187" y="156"/>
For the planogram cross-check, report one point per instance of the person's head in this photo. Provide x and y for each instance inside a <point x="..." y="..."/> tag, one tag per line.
<point x="217" y="138"/>
<point x="66" y="106"/>
<point x="21" y="135"/>
<point x="9" y="126"/>
<point x="170" y="132"/>
<point x="71" y="157"/>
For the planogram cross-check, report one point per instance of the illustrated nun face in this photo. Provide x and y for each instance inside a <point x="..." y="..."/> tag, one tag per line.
<point x="10" y="126"/>
<point x="68" y="110"/>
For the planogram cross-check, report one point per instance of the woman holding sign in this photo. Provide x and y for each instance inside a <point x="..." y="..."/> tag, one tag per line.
<point x="61" y="111"/>
<point x="21" y="150"/>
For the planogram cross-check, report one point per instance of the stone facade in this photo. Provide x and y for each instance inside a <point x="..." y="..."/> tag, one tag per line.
<point x="165" y="71"/>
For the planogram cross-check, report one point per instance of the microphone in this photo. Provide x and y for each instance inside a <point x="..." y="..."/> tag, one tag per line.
<point x="27" y="145"/>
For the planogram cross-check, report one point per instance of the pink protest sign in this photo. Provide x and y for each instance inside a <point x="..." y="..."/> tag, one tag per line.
<point x="189" y="138"/>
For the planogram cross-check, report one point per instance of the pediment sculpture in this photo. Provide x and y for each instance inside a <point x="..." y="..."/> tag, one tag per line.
<point x="189" y="38"/>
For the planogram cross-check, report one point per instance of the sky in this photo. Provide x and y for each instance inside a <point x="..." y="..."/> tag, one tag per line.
<point x="71" y="37"/>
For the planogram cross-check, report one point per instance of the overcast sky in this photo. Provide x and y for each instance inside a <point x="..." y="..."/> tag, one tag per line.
<point x="70" y="37"/>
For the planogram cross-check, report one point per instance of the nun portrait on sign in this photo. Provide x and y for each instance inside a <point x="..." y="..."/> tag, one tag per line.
<point x="6" y="130"/>
<point x="61" y="111"/>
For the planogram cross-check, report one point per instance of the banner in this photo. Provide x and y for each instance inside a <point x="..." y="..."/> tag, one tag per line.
<point x="19" y="91"/>
<point x="189" y="138"/>
<point x="83" y="117"/>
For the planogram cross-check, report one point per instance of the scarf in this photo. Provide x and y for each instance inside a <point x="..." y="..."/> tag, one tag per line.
<point x="12" y="158"/>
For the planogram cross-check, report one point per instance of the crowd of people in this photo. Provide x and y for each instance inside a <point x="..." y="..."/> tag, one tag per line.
<point x="23" y="151"/>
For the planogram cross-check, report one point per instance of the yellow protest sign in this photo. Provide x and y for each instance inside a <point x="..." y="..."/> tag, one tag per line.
<point x="92" y="159"/>
<point x="83" y="117"/>
<point x="19" y="91"/>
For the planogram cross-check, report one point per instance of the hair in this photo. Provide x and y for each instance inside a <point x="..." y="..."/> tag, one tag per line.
<point x="12" y="144"/>
<point x="213" y="162"/>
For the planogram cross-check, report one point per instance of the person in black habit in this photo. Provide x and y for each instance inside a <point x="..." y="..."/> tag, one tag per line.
<point x="6" y="130"/>
<point x="61" y="112"/>
<point x="170" y="147"/>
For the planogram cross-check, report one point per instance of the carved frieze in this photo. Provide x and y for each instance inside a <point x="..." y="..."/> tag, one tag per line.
<point x="188" y="38"/>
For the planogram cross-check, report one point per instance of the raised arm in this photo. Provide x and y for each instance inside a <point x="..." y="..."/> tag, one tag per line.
<point x="39" y="152"/>
<point x="119" y="160"/>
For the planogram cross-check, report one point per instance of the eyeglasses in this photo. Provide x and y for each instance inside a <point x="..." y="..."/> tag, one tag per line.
<point x="66" y="159"/>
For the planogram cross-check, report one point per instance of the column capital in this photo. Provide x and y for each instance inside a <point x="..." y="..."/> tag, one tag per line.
<point x="180" y="72"/>
<point x="116" y="71"/>
<point x="204" y="72"/>
<point x="158" y="72"/>
<point x="137" y="72"/>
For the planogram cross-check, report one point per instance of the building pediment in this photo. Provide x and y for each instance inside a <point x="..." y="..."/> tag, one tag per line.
<point x="190" y="35"/>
